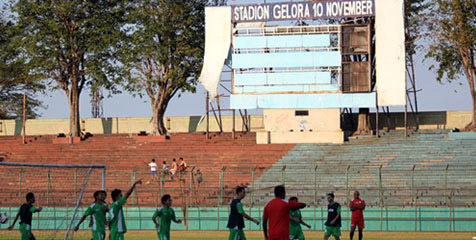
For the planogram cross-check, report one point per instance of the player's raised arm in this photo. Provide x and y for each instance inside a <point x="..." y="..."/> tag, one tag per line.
<point x="296" y="205"/>
<point x="131" y="189"/>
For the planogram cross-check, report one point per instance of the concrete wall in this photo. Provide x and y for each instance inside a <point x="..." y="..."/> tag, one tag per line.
<point x="284" y="126"/>
<point x="125" y="125"/>
<point x="428" y="120"/>
<point x="284" y="120"/>
<point x="441" y="219"/>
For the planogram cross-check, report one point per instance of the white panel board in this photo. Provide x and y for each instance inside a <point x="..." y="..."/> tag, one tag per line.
<point x="217" y="46"/>
<point x="390" y="53"/>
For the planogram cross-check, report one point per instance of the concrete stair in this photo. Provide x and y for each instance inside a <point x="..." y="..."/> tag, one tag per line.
<point x="121" y="155"/>
<point x="340" y="168"/>
<point x="355" y="166"/>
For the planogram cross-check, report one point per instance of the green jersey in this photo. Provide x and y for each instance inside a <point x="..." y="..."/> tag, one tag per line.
<point x="295" y="227"/>
<point x="116" y="216"/>
<point x="99" y="216"/>
<point x="166" y="215"/>
<point x="26" y="213"/>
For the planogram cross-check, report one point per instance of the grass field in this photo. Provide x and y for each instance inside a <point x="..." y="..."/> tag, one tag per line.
<point x="255" y="235"/>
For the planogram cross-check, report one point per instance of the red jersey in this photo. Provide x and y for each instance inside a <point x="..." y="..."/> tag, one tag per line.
<point x="357" y="214"/>
<point x="277" y="211"/>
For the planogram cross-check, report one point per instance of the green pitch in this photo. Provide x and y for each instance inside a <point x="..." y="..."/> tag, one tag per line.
<point x="253" y="235"/>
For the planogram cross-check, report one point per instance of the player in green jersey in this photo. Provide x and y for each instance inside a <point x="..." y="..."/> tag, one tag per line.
<point x="117" y="222"/>
<point x="236" y="221"/>
<point x="295" y="217"/>
<point x="97" y="211"/>
<point x="166" y="214"/>
<point x="25" y="213"/>
<point x="334" y="219"/>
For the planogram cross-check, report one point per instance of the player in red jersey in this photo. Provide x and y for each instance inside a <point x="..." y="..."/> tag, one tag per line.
<point x="277" y="212"/>
<point x="357" y="206"/>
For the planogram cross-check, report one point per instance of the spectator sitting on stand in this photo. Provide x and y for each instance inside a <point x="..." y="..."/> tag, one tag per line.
<point x="183" y="165"/>
<point x="173" y="169"/>
<point x="165" y="169"/>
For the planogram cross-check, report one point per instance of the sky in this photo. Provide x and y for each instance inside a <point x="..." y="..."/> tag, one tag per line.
<point x="433" y="96"/>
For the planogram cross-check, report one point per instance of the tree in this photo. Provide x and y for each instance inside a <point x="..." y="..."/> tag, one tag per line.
<point x="165" y="51"/>
<point x="452" y="32"/>
<point x="70" y="45"/>
<point x="11" y="98"/>
<point x="14" y="80"/>
<point x="414" y="32"/>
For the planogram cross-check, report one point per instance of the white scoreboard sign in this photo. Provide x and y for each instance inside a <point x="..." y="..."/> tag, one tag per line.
<point x="303" y="10"/>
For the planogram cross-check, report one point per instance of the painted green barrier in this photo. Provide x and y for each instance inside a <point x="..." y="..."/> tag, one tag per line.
<point x="376" y="219"/>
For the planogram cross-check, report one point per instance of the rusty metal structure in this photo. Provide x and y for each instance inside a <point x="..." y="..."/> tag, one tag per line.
<point x="214" y="106"/>
<point x="97" y="104"/>
<point x="356" y="58"/>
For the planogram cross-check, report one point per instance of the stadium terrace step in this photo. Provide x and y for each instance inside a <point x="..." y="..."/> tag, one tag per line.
<point x="355" y="166"/>
<point x="341" y="168"/>
<point x="122" y="154"/>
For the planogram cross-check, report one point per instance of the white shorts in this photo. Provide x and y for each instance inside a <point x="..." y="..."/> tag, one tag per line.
<point x="173" y="171"/>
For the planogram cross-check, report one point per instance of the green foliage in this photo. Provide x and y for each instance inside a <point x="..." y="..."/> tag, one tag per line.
<point x="165" y="50"/>
<point x="69" y="40"/>
<point x="11" y="105"/>
<point x="71" y="44"/>
<point x="415" y="11"/>
<point x="14" y="78"/>
<point x="218" y="2"/>
<point x="166" y="46"/>
<point x="452" y="32"/>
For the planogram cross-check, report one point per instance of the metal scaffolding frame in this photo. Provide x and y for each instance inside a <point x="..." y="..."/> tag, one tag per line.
<point x="210" y="108"/>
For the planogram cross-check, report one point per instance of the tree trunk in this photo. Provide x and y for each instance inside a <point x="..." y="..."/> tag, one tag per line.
<point x="474" y="111"/>
<point x="155" y="121"/>
<point x="472" y="125"/>
<point x="161" y="124"/>
<point x="158" y="118"/>
<point x="470" y="72"/>
<point x="363" y="125"/>
<point x="73" y="100"/>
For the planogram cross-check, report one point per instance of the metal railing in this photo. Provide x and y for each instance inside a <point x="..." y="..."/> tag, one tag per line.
<point x="415" y="195"/>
